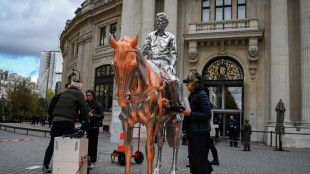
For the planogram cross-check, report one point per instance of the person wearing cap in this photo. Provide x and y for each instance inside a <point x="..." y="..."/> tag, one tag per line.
<point x="199" y="122"/>
<point x="70" y="107"/>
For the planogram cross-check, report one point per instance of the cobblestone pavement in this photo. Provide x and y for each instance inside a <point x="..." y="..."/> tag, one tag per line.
<point x="16" y="156"/>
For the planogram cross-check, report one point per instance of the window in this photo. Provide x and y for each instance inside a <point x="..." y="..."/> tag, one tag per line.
<point x="72" y="49"/>
<point x="241" y="9"/>
<point x="205" y="11"/>
<point x="223" y="68"/>
<point x="104" y="78"/>
<point x="102" y="36"/>
<point x="223" y="10"/>
<point x="113" y="30"/>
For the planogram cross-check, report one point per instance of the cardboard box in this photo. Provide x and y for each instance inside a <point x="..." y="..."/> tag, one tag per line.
<point x="70" y="155"/>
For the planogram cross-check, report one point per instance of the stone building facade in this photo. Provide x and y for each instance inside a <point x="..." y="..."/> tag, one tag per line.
<point x="252" y="53"/>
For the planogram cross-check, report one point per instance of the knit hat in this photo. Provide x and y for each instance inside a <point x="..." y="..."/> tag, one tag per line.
<point x="77" y="84"/>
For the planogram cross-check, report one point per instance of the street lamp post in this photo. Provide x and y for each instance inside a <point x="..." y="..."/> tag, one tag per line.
<point x="73" y="74"/>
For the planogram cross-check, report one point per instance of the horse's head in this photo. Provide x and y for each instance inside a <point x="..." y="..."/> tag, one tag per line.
<point x="124" y="64"/>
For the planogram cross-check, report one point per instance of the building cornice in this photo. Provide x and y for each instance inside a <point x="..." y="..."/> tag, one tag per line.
<point x="227" y="35"/>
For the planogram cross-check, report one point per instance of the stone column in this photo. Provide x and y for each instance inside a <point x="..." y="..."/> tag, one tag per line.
<point x="279" y="59"/>
<point x="131" y="18"/>
<point x="171" y="10"/>
<point x="148" y="19"/>
<point x="305" y="61"/>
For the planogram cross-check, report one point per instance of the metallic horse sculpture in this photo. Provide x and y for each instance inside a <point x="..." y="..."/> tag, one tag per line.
<point x="140" y="92"/>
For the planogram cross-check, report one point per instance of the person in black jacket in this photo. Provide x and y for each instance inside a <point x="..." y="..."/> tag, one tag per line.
<point x="95" y="116"/>
<point x="233" y="132"/>
<point x="199" y="115"/>
<point x="69" y="108"/>
<point x="53" y="104"/>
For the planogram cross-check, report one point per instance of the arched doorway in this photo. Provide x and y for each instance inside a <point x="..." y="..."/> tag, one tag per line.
<point x="223" y="81"/>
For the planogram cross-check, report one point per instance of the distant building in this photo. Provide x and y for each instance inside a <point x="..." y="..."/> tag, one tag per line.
<point x="10" y="81"/>
<point x="50" y="72"/>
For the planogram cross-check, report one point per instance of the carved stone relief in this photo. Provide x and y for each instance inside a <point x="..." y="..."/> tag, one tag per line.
<point x="252" y="69"/>
<point x="192" y="52"/>
<point x="253" y="49"/>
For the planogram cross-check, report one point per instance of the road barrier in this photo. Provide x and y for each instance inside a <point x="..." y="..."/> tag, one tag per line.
<point x="24" y="128"/>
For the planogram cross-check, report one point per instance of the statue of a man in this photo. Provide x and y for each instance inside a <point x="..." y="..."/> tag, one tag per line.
<point x="160" y="47"/>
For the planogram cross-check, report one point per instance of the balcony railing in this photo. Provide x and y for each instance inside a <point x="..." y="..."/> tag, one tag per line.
<point x="222" y="26"/>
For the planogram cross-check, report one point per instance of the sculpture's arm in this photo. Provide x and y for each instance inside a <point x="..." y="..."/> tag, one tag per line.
<point x="146" y="48"/>
<point x="173" y="51"/>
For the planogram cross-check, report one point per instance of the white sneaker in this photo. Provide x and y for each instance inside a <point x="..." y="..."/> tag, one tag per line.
<point x="92" y="165"/>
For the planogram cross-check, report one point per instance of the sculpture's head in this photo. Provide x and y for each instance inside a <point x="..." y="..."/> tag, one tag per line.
<point x="161" y="20"/>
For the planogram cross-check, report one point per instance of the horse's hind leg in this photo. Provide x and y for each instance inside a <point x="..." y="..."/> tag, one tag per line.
<point x="160" y="142"/>
<point x="127" y="144"/>
<point x="149" y="148"/>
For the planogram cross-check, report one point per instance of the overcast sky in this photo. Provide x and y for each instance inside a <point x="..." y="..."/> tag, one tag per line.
<point x="28" y="27"/>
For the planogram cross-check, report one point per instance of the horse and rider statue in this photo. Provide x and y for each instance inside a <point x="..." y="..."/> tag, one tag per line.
<point x="144" y="77"/>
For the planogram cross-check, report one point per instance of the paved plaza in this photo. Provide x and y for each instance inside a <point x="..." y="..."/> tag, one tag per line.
<point x="16" y="156"/>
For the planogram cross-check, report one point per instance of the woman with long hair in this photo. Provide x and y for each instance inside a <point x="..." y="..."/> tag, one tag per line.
<point x="95" y="117"/>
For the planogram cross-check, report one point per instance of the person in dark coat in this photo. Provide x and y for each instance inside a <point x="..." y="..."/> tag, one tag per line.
<point x="233" y="131"/>
<point x="246" y="132"/>
<point x="199" y="115"/>
<point x="70" y="108"/>
<point x="95" y="116"/>
<point x="53" y="103"/>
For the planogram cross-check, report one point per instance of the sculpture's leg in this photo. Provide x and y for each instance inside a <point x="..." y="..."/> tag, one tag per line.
<point x="149" y="149"/>
<point x="175" y="90"/>
<point x="160" y="142"/>
<point x="176" y="98"/>
<point x="127" y="144"/>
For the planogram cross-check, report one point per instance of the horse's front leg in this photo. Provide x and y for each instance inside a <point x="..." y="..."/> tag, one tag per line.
<point x="127" y="144"/>
<point x="149" y="148"/>
<point x="160" y="142"/>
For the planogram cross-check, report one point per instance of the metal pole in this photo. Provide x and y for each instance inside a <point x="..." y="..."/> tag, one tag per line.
<point x="276" y="142"/>
<point x="270" y="138"/>
<point x="280" y="141"/>
<point x="48" y="74"/>
<point x="2" y="99"/>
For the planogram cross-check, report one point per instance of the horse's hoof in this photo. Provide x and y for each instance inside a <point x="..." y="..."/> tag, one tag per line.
<point x="173" y="172"/>
<point x="156" y="171"/>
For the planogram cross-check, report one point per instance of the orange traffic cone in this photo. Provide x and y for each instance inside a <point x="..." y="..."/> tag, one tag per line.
<point x="121" y="143"/>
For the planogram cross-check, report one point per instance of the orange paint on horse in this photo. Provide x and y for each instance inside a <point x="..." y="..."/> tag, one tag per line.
<point x="139" y="94"/>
